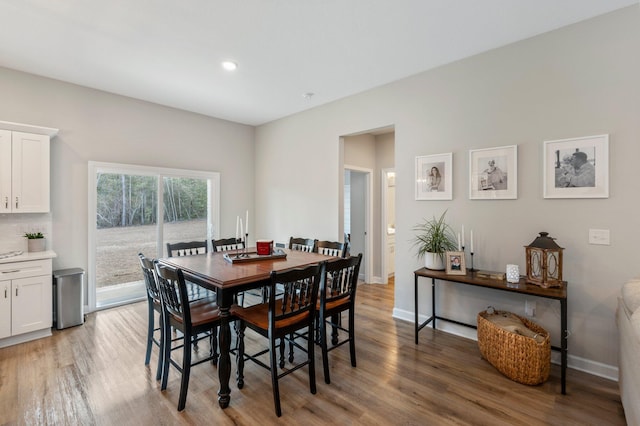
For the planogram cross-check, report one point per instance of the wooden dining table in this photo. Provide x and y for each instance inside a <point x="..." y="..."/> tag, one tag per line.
<point x="226" y="278"/>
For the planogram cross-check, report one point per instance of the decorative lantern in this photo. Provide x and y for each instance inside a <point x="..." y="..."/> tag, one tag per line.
<point x="544" y="262"/>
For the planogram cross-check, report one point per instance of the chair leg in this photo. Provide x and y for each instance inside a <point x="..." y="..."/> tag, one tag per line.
<point x="335" y="321"/>
<point x="186" y="370"/>
<point x="150" y="328"/>
<point x="161" y="350"/>
<point x="281" y="347"/>
<point x="213" y="342"/>
<point x="274" y="373"/>
<point x="311" y="358"/>
<point x="166" y="352"/>
<point x="291" y="337"/>
<point x="325" y="350"/>
<point x="352" y="337"/>
<point x="240" y="353"/>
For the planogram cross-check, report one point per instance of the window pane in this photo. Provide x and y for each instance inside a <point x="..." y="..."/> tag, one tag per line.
<point x="185" y="209"/>
<point x="126" y="221"/>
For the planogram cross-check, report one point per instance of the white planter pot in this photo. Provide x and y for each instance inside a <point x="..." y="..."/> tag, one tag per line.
<point x="36" y="244"/>
<point x="434" y="261"/>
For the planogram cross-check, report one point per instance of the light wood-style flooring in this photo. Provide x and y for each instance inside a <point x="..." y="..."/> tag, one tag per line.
<point x="94" y="374"/>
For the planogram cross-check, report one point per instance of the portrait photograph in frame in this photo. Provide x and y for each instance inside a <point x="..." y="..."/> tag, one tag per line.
<point x="455" y="264"/>
<point x="434" y="177"/>
<point x="493" y="173"/>
<point x="576" y="167"/>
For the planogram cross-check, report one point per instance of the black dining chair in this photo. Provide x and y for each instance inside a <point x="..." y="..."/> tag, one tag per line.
<point x="277" y="319"/>
<point x="337" y="295"/>
<point x="154" y="305"/>
<point x="331" y="248"/>
<point x="302" y="244"/>
<point x="191" y="248"/>
<point x="192" y="319"/>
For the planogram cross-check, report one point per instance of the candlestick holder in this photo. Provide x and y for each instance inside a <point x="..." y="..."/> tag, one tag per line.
<point x="471" y="269"/>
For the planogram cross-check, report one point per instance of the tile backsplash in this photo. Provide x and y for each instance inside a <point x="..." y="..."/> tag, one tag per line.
<point x="13" y="227"/>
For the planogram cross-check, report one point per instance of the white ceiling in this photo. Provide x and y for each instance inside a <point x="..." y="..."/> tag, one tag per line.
<point x="169" y="51"/>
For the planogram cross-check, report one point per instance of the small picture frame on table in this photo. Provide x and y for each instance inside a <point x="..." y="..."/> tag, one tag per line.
<point x="455" y="264"/>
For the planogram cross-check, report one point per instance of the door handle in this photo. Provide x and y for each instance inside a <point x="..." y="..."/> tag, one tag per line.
<point x="6" y="202"/>
<point x="16" y="202"/>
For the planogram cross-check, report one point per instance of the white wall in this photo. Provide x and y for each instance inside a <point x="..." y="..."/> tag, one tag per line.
<point x="98" y="126"/>
<point x="577" y="81"/>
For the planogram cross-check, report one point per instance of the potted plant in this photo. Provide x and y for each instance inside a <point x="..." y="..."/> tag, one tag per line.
<point x="35" y="241"/>
<point x="434" y="237"/>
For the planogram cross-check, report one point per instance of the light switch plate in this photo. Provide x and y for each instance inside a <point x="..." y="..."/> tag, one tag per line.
<point x="599" y="236"/>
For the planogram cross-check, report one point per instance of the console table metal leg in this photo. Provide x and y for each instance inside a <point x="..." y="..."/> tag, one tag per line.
<point x="433" y="302"/>
<point x="415" y="295"/>
<point x="563" y="345"/>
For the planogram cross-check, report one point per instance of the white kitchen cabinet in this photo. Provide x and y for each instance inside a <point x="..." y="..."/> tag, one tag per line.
<point x="24" y="168"/>
<point x="26" y="300"/>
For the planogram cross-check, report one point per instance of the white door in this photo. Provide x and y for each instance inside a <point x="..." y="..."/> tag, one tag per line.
<point x="5" y="309"/>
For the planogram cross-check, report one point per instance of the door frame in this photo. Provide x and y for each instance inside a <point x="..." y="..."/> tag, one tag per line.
<point x="385" y="236"/>
<point x="368" y="208"/>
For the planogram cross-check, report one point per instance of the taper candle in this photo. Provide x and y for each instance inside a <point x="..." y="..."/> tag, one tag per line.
<point x="472" y="241"/>
<point x="462" y="235"/>
<point x="246" y="223"/>
<point x="237" y="226"/>
<point x="459" y="247"/>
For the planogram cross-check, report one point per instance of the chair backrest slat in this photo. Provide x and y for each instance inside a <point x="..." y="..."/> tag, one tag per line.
<point x="331" y="248"/>
<point x="173" y="291"/>
<point x="226" y="244"/>
<point x="149" y="277"/>
<point x="299" y="292"/>
<point x="186" y="248"/>
<point x="341" y="279"/>
<point x="303" y="244"/>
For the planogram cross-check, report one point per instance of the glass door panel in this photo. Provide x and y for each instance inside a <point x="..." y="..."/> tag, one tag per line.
<point x="126" y="224"/>
<point x="185" y="207"/>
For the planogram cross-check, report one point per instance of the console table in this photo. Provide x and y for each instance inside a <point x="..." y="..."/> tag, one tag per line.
<point x="558" y="293"/>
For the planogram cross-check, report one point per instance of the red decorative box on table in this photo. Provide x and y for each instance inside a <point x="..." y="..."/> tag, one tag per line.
<point x="264" y="247"/>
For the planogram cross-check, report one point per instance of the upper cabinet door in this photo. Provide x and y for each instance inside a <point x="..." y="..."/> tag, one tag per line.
<point x="5" y="171"/>
<point x="30" y="173"/>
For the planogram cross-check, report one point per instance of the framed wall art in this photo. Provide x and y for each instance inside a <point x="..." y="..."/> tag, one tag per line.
<point x="493" y="173"/>
<point x="455" y="264"/>
<point x="577" y="167"/>
<point x="434" y="177"/>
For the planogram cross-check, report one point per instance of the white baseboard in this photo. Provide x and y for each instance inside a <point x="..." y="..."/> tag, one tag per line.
<point x="577" y="363"/>
<point x="26" y="337"/>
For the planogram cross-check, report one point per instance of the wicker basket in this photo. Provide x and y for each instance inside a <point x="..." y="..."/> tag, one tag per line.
<point x="518" y="357"/>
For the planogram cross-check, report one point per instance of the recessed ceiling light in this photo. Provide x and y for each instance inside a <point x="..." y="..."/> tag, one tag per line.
<point x="308" y="95"/>
<point x="229" y="65"/>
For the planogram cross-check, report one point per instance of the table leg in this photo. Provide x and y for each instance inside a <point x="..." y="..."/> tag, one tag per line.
<point x="563" y="345"/>
<point x="224" y="363"/>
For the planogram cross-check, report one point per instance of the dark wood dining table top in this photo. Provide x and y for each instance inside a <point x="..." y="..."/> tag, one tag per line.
<point x="211" y="270"/>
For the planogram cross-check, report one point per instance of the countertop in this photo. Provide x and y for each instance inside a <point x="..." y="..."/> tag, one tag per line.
<point x="38" y="255"/>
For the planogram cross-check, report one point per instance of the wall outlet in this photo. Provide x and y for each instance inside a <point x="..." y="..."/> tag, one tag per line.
<point x="530" y="308"/>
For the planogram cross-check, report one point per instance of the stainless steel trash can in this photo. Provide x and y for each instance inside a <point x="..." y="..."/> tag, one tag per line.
<point x="67" y="297"/>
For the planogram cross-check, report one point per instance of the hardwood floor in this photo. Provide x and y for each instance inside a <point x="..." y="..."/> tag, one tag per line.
<point x="94" y="374"/>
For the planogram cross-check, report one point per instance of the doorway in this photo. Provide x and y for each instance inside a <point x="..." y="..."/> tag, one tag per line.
<point x="371" y="152"/>
<point x="357" y="211"/>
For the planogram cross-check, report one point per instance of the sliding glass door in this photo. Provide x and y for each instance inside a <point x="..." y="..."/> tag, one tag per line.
<point x="136" y="209"/>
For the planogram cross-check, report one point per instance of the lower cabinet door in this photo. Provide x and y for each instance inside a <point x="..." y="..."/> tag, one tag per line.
<point x="31" y="308"/>
<point x="5" y="309"/>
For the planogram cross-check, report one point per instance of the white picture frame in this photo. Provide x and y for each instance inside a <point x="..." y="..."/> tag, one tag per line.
<point x="590" y="154"/>
<point x="493" y="173"/>
<point x="434" y="177"/>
